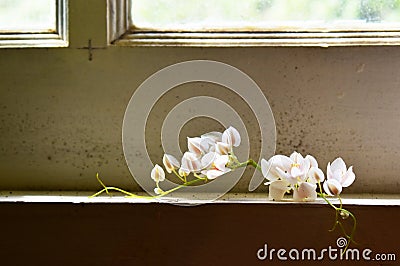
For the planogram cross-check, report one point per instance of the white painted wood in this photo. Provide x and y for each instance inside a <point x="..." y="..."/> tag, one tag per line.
<point x="51" y="39"/>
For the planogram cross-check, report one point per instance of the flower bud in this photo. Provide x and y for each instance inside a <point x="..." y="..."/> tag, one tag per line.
<point x="231" y="136"/>
<point x="157" y="174"/>
<point x="191" y="162"/>
<point x="170" y="163"/>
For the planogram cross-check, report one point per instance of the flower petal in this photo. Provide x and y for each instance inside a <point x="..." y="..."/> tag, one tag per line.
<point x="231" y="136"/>
<point x="183" y="172"/>
<point x="158" y="191"/>
<point x="338" y="164"/>
<point x="191" y="162"/>
<point x="222" y="148"/>
<point x="305" y="192"/>
<point x="206" y="144"/>
<point x="277" y="190"/>
<point x="296" y="157"/>
<point x="329" y="173"/>
<point x="348" y="178"/>
<point x="315" y="175"/>
<point x="194" y="145"/>
<point x="221" y="161"/>
<point x="296" y="172"/>
<point x="212" y="174"/>
<point x="285" y="175"/>
<point x="332" y="187"/>
<point x="157" y="173"/>
<point x="214" y="135"/>
<point x="281" y="161"/>
<point x="170" y="163"/>
<point x="312" y="160"/>
<point x="265" y="167"/>
<point x="208" y="159"/>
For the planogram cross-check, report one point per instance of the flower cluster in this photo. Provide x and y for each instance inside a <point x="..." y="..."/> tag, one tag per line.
<point x="208" y="157"/>
<point x="211" y="155"/>
<point x="302" y="175"/>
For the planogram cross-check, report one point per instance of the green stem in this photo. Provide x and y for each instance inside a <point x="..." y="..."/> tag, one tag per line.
<point x="131" y="195"/>
<point x="179" y="187"/>
<point x="246" y="163"/>
<point x="338" y="210"/>
<point x="183" y="180"/>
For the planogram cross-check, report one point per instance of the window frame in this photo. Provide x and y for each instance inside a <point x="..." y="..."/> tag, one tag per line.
<point x="120" y="33"/>
<point x="59" y="38"/>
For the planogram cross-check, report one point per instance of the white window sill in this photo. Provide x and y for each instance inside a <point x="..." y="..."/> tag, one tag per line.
<point x="242" y="198"/>
<point x="243" y="39"/>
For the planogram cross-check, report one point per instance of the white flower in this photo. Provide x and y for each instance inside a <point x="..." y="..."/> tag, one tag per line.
<point x="313" y="161"/>
<point x="204" y="144"/>
<point x="158" y="191"/>
<point x="214" y="135"/>
<point x="170" y="163"/>
<point x="315" y="175"/>
<point x="306" y="191"/>
<point x="157" y="174"/>
<point x="338" y="177"/>
<point x="277" y="189"/>
<point x="269" y="168"/>
<point x="294" y="169"/>
<point x="332" y="187"/>
<point x="191" y="162"/>
<point x="222" y="148"/>
<point x="183" y="172"/>
<point x="194" y="146"/>
<point x="231" y="137"/>
<point x="298" y="172"/>
<point x="214" y="165"/>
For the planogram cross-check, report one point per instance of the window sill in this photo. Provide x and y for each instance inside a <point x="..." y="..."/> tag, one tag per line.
<point x="32" y="41"/>
<point x="238" y="198"/>
<point x="253" y="39"/>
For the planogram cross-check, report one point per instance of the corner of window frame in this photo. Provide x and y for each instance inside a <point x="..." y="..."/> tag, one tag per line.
<point x="59" y="38"/>
<point x="120" y="33"/>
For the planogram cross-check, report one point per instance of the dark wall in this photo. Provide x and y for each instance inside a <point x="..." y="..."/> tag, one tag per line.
<point x="161" y="234"/>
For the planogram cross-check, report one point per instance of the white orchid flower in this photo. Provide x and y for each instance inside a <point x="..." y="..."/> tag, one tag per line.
<point x="306" y="191"/>
<point x="300" y="173"/>
<point x="170" y="163"/>
<point x="338" y="177"/>
<point x="214" y="165"/>
<point x="214" y="135"/>
<point x="158" y="191"/>
<point x="277" y="189"/>
<point x="315" y="175"/>
<point x="294" y="169"/>
<point x="183" y="172"/>
<point x="231" y="137"/>
<point x="332" y="187"/>
<point x="223" y="148"/>
<point x="194" y="146"/>
<point x="202" y="145"/>
<point x="313" y="161"/>
<point x="191" y="162"/>
<point x="157" y="174"/>
<point x="269" y="168"/>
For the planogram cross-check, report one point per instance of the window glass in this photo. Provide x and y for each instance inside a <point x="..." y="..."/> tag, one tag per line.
<point x="27" y="15"/>
<point x="274" y="15"/>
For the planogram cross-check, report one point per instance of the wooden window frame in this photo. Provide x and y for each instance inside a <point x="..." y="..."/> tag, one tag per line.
<point x="59" y="38"/>
<point x="120" y="33"/>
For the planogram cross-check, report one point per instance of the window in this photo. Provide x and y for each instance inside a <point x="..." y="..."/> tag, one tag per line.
<point x="61" y="112"/>
<point x="261" y="22"/>
<point x="40" y="23"/>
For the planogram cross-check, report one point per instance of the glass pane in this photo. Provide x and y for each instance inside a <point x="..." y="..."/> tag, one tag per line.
<point x="27" y="15"/>
<point x="281" y="15"/>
